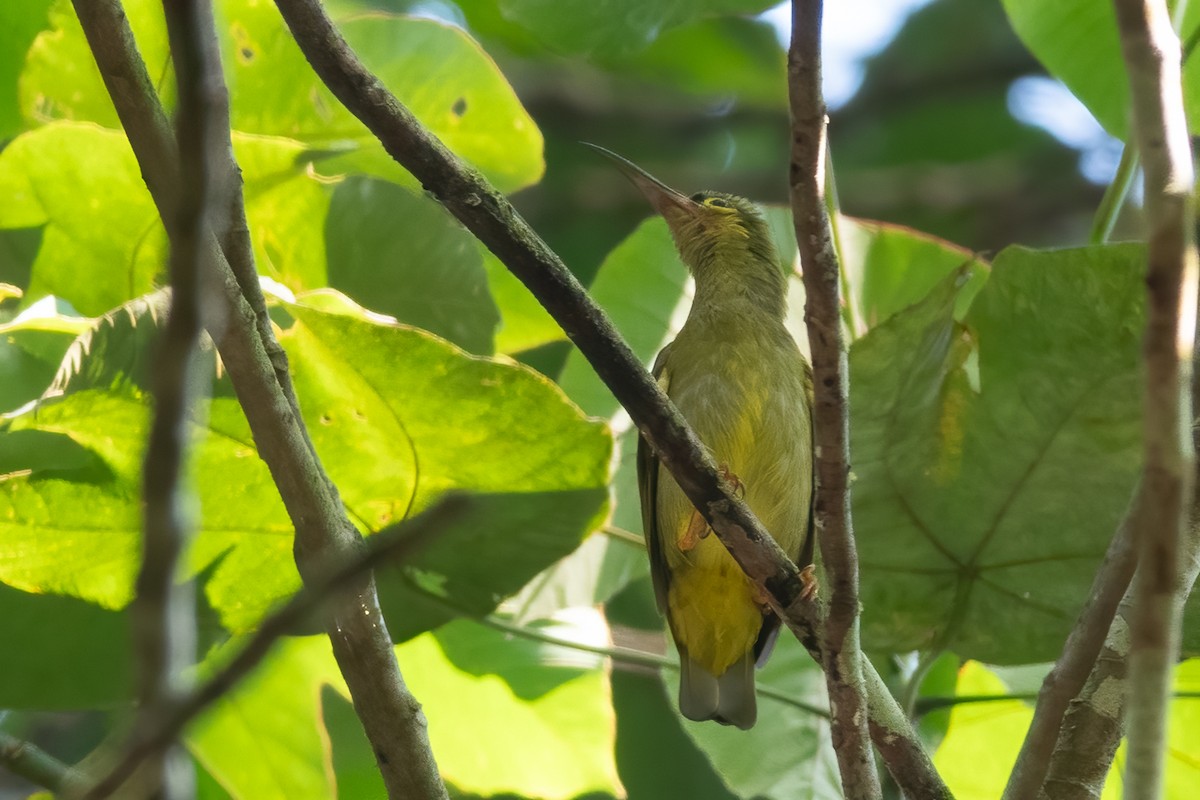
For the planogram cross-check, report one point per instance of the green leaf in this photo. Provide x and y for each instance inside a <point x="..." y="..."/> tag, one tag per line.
<point x="402" y="254"/>
<point x="655" y="757"/>
<point x="890" y="268"/>
<point x="83" y="184"/>
<point x="56" y="176"/>
<point x="19" y="24"/>
<point x="71" y="538"/>
<point x="747" y="761"/>
<point x="614" y="29"/>
<point x="742" y="60"/>
<point x="65" y="653"/>
<point x="31" y="347"/>
<point x="265" y="739"/>
<point x="492" y="700"/>
<point x="285" y="204"/>
<point x="967" y="439"/>
<point x="524" y="324"/>
<point x="443" y="76"/>
<point x="400" y="416"/>
<point x="60" y="80"/>
<point x="1077" y="42"/>
<point x="983" y="739"/>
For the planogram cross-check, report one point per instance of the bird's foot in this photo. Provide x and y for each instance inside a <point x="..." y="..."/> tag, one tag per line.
<point x="808" y="577"/>
<point x="735" y="483"/>
<point x="697" y="529"/>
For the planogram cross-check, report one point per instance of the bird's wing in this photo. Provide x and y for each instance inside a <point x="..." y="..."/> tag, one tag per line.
<point x="647" y="475"/>
<point x="806" y="550"/>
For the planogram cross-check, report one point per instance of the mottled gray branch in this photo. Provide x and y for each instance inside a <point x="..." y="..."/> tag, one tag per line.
<point x="1153" y="57"/>
<point x="841" y="654"/>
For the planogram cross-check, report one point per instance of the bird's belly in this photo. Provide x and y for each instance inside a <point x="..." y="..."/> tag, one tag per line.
<point x="762" y="434"/>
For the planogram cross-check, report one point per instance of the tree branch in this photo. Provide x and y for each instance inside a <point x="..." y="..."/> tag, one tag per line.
<point x="391" y="717"/>
<point x="1152" y="56"/>
<point x="392" y="546"/>
<point x="1065" y="681"/>
<point x="163" y="611"/>
<point x="831" y="418"/>
<point x="37" y="766"/>
<point x="491" y="218"/>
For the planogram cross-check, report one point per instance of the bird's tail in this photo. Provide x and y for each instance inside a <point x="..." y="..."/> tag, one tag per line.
<point x="728" y="699"/>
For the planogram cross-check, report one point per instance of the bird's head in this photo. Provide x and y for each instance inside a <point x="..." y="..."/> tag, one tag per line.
<point x="717" y="234"/>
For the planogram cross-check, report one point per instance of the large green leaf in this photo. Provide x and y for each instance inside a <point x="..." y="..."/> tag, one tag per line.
<point x="265" y="738"/>
<point x="616" y="28"/>
<point x="82" y="183"/>
<point x="19" y="24"/>
<point x="524" y="324"/>
<point x="1077" y="42"/>
<point x="437" y="70"/>
<point x="398" y="417"/>
<point x="993" y="459"/>
<point x="401" y="254"/>
<point x="890" y="268"/>
<point x="64" y="653"/>
<point x="401" y="416"/>
<point x="490" y="701"/>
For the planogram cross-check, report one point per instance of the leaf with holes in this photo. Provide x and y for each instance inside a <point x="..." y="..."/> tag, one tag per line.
<point x="993" y="458"/>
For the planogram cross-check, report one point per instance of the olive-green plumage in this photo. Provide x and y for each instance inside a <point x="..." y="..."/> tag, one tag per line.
<point x="737" y="376"/>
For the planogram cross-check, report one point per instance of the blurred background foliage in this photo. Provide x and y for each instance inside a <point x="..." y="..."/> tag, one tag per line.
<point x="982" y="504"/>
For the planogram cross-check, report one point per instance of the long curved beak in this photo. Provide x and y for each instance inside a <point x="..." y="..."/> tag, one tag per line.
<point x="663" y="198"/>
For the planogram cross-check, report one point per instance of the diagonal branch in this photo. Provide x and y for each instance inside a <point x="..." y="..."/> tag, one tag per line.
<point x="1083" y="646"/>
<point x="489" y="216"/>
<point x="393" y="546"/>
<point x="1152" y="57"/>
<point x="842" y="656"/>
<point x="390" y="715"/>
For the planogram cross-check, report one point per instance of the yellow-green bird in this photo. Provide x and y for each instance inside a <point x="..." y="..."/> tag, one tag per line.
<point x="737" y="376"/>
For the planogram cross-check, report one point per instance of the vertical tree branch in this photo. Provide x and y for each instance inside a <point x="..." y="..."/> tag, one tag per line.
<point x="1065" y="681"/>
<point x="831" y="429"/>
<point x="163" y="611"/>
<point x="1152" y="56"/>
<point x="391" y="717"/>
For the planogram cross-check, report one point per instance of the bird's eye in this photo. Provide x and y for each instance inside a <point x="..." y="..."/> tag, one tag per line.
<point x="698" y="197"/>
<point x="717" y="202"/>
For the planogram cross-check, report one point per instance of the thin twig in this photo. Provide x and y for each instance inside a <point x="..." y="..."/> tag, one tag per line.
<point x="831" y="424"/>
<point x="393" y="546"/>
<point x="1114" y="196"/>
<point x="491" y="218"/>
<point x="1069" y="674"/>
<point x="37" y="766"/>
<point x="1152" y="57"/>
<point x="391" y="717"/>
<point x="163" y="611"/>
<point x="641" y="658"/>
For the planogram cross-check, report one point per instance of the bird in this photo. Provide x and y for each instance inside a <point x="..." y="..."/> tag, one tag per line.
<point x="738" y="377"/>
